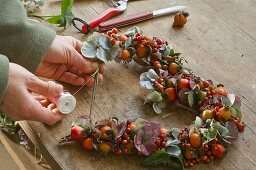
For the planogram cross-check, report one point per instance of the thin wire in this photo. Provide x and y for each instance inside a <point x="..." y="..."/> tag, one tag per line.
<point x="83" y="85"/>
<point x="91" y="76"/>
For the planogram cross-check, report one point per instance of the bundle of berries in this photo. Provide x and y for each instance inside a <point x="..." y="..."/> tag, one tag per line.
<point x="171" y="81"/>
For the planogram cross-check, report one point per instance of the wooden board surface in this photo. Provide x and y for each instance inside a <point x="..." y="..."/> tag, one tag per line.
<point x="218" y="42"/>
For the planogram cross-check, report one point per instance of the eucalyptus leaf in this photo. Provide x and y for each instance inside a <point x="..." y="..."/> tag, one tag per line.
<point x="146" y="84"/>
<point x="133" y="31"/>
<point x="170" y="141"/>
<point x="153" y="97"/>
<point x="156" y="108"/>
<point x="210" y="134"/>
<point x="233" y="131"/>
<point x="226" y="101"/>
<point x="175" y="132"/>
<point x="233" y="112"/>
<point x="151" y="74"/>
<point x="237" y="103"/>
<point x="238" y="114"/>
<point x="173" y="150"/>
<point x="198" y="122"/>
<point x="222" y="130"/>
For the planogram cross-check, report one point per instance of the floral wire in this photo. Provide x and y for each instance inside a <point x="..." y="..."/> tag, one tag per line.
<point x="91" y="76"/>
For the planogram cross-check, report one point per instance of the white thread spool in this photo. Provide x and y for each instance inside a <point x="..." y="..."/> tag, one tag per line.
<point x="65" y="102"/>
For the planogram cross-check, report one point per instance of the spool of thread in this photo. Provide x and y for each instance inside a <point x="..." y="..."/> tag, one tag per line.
<point x="65" y="102"/>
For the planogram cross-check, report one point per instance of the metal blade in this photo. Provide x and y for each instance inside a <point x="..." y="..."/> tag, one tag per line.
<point x="169" y="10"/>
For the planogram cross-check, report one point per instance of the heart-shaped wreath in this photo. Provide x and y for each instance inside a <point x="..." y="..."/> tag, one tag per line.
<point x="207" y="138"/>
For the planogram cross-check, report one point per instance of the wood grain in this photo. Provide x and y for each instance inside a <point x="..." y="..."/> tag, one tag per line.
<point x="218" y="42"/>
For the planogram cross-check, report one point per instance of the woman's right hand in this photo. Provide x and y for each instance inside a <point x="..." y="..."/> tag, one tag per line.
<point x="20" y="102"/>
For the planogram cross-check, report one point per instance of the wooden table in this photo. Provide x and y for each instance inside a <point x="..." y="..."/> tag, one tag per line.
<point x="219" y="43"/>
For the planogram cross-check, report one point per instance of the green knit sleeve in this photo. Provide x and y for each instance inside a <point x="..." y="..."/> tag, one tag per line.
<point x="24" y="42"/>
<point x="4" y="74"/>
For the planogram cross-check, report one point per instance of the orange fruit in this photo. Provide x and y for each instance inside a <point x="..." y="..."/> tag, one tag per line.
<point x="87" y="144"/>
<point x="173" y="68"/>
<point x="171" y="94"/>
<point x="132" y="126"/>
<point x="207" y="114"/>
<point x="224" y="113"/>
<point x="142" y="51"/>
<point x="188" y="154"/>
<point x="125" y="55"/>
<point x="105" y="147"/>
<point x="221" y="91"/>
<point x="195" y="140"/>
<point x="122" y="38"/>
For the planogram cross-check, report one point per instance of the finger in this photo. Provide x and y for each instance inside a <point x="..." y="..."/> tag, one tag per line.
<point x="39" y="98"/>
<point x="76" y="71"/>
<point x="51" y="106"/>
<point x="45" y="102"/>
<point x="76" y="43"/>
<point x="56" y="110"/>
<point x="90" y="80"/>
<point x="71" y="78"/>
<point x="42" y="114"/>
<point x="84" y="65"/>
<point x="47" y="89"/>
<point x="102" y="69"/>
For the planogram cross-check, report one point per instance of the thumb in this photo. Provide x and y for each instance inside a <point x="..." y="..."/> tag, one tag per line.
<point x="45" y="88"/>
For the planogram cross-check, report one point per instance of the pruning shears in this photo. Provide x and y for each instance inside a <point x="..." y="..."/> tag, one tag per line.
<point x="116" y="9"/>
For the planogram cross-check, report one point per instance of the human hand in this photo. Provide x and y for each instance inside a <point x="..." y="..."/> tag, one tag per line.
<point x="20" y="102"/>
<point x="64" y="62"/>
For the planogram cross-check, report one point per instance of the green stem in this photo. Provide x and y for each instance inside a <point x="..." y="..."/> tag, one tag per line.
<point x="40" y="16"/>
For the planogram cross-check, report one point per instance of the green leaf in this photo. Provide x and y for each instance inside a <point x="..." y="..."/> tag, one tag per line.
<point x="153" y="97"/>
<point x="175" y="163"/>
<point x="156" y="159"/>
<point x="173" y="150"/>
<point x="191" y="98"/>
<point x="68" y="17"/>
<point x="171" y="52"/>
<point x="233" y="112"/>
<point x="210" y="134"/>
<point x="238" y="114"/>
<point x="66" y="5"/>
<point x="55" y="19"/>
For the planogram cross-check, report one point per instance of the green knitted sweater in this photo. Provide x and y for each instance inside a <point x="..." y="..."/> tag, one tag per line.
<point x="22" y="41"/>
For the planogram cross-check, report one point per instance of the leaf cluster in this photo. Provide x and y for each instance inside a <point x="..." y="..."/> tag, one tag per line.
<point x="66" y="16"/>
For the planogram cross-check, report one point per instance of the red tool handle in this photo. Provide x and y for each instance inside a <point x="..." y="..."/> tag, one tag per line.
<point x="102" y="17"/>
<point x="128" y="20"/>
